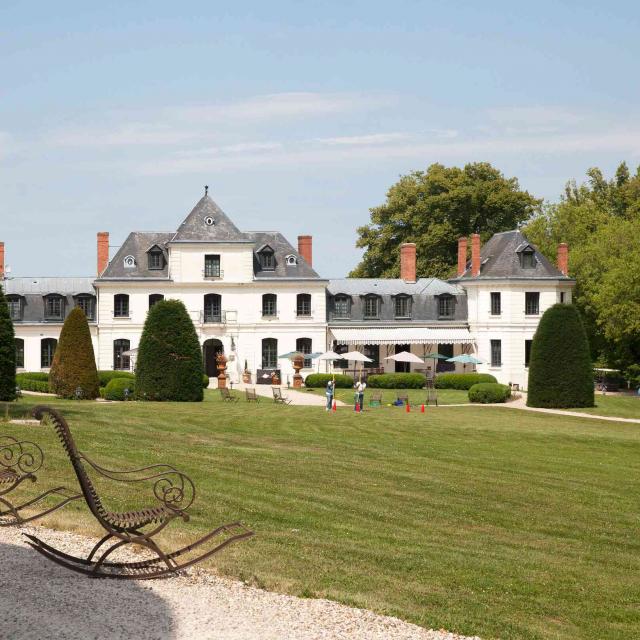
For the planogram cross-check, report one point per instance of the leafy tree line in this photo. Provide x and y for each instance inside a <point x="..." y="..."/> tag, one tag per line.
<point x="599" y="219"/>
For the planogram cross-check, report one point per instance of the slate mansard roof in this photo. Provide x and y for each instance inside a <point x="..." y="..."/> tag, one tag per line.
<point x="205" y="224"/>
<point x="33" y="290"/>
<point x="500" y="259"/>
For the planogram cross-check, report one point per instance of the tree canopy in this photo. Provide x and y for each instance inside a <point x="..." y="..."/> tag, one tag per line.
<point x="433" y="208"/>
<point x="600" y="221"/>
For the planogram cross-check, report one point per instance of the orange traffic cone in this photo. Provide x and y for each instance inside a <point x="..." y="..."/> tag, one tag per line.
<point x="335" y="406"/>
<point x="357" y="407"/>
<point x="422" y="409"/>
<point x="407" y="407"/>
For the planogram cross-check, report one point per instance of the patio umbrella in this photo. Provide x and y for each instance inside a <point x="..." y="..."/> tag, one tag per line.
<point x="406" y="356"/>
<point x="356" y="356"/>
<point x="435" y="356"/>
<point x="466" y="359"/>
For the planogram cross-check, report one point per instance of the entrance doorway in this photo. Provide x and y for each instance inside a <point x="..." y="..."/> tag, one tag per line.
<point x="403" y="367"/>
<point x="210" y="349"/>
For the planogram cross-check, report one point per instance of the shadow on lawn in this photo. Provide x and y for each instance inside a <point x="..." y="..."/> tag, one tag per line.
<point x="42" y="600"/>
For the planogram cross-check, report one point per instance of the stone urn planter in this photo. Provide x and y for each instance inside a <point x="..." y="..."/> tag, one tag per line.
<point x="298" y="363"/>
<point x="275" y="378"/>
<point x="221" y="364"/>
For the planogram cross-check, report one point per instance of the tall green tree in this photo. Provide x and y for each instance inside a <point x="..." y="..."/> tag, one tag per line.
<point x="433" y="208"/>
<point x="7" y="352"/>
<point x="169" y="364"/>
<point x="73" y="370"/>
<point x="600" y="220"/>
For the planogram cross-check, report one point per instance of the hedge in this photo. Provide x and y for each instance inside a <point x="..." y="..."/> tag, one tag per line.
<point x="462" y="381"/>
<point x="560" y="370"/>
<point x="169" y="365"/>
<point x="105" y="377"/>
<point x="397" y="381"/>
<point x="489" y="392"/>
<point x="319" y="380"/>
<point x="38" y="382"/>
<point x="205" y="380"/>
<point x="73" y="370"/>
<point x="7" y="352"/>
<point x="116" y="387"/>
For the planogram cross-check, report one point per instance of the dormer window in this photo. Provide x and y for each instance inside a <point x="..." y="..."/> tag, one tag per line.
<point x="292" y="261"/>
<point x="341" y="306"/>
<point x="15" y="307"/>
<point x="54" y="307"/>
<point x="403" y="306"/>
<point x="129" y="262"/>
<point x="87" y="303"/>
<point x="267" y="258"/>
<point x="527" y="255"/>
<point x="446" y="306"/>
<point x="156" y="258"/>
<point x="371" y="307"/>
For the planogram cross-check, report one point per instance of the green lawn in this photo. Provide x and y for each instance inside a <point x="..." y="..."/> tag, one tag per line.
<point x="416" y="396"/>
<point x="507" y="524"/>
<point x="618" y="406"/>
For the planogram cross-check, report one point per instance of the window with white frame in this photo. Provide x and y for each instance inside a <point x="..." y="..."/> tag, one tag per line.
<point x="496" y="353"/>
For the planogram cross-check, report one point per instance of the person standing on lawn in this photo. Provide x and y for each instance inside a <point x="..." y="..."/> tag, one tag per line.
<point x="329" y="391"/>
<point x="359" y="395"/>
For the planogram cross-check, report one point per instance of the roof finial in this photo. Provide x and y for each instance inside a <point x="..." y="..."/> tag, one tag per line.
<point x="206" y="189"/>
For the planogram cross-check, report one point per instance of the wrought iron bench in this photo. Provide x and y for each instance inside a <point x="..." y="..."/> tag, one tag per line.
<point x="173" y="492"/>
<point x="227" y="396"/>
<point x="19" y="462"/>
<point x="251" y="395"/>
<point x="278" y="398"/>
<point x="375" y="400"/>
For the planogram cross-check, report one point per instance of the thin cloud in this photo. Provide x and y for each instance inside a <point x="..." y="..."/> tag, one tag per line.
<point x="370" y="139"/>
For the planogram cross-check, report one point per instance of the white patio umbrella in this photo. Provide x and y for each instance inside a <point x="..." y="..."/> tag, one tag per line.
<point x="329" y="355"/>
<point x="406" y="356"/>
<point x="356" y="356"/>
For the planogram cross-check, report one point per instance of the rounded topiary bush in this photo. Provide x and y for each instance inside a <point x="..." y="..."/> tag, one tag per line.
<point x="116" y="389"/>
<point x="489" y="392"/>
<point x="560" y="369"/>
<point x="397" y="381"/>
<point x="205" y="381"/>
<point x="169" y="364"/>
<point x="319" y="380"/>
<point x="105" y="377"/>
<point x="7" y="352"/>
<point x="73" y="371"/>
<point x="462" y="381"/>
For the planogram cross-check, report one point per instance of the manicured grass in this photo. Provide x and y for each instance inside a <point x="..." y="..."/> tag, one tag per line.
<point x="507" y="524"/>
<point x="617" y="406"/>
<point x="416" y="396"/>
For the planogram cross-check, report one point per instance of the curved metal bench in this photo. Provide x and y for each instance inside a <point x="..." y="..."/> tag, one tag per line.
<point x="173" y="494"/>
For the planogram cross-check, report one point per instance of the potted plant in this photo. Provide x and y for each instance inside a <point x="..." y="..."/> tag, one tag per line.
<point x="246" y="374"/>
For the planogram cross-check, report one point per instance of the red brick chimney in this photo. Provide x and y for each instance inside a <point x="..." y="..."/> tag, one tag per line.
<point x="475" y="255"/>
<point x="462" y="256"/>
<point x="408" y="261"/>
<point x="1" y="260"/>
<point x="563" y="258"/>
<point x="103" y="251"/>
<point x="305" y="248"/>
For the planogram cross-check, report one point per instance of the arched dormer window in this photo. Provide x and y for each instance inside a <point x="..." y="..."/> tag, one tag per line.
<point x="267" y="258"/>
<point x="121" y="305"/>
<point x="16" y="307"/>
<point x="291" y="261"/>
<point x="87" y="303"/>
<point x="54" y="305"/>
<point x="213" y="307"/>
<point x="402" y="306"/>
<point x="303" y="304"/>
<point x="371" y="307"/>
<point x="341" y="306"/>
<point x="155" y="256"/>
<point x="270" y="305"/>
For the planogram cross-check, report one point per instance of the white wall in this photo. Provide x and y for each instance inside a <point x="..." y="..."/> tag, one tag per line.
<point x="186" y="261"/>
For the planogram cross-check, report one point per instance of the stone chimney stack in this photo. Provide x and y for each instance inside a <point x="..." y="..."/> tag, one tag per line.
<point x="408" y="261"/>
<point x="475" y="255"/>
<point x="462" y="256"/>
<point x="103" y="251"/>
<point x="305" y="248"/>
<point x="1" y="260"/>
<point x="563" y="258"/>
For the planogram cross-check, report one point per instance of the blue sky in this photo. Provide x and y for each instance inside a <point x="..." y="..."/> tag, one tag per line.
<point x="298" y="115"/>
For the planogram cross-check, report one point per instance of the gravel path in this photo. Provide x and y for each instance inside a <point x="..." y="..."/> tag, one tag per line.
<point x="39" y="599"/>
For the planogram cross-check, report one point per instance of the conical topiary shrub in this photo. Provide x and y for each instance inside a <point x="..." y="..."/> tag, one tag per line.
<point x="73" y="370"/>
<point x="169" y="363"/>
<point x="560" y="369"/>
<point x="7" y="352"/>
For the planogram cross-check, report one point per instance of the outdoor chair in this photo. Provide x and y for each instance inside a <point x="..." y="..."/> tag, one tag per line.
<point x="19" y="462"/>
<point x="404" y="399"/>
<point x="278" y="398"/>
<point x="227" y="396"/>
<point x="251" y="395"/>
<point x="173" y="493"/>
<point x="375" y="400"/>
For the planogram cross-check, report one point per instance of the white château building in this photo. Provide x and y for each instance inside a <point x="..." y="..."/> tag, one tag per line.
<point x="255" y="297"/>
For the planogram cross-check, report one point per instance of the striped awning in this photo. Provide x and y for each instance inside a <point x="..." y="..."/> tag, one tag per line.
<point x="401" y="335"/>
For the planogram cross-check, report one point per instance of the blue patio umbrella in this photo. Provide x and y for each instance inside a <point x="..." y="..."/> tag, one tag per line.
<point x="466" y="359"/>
